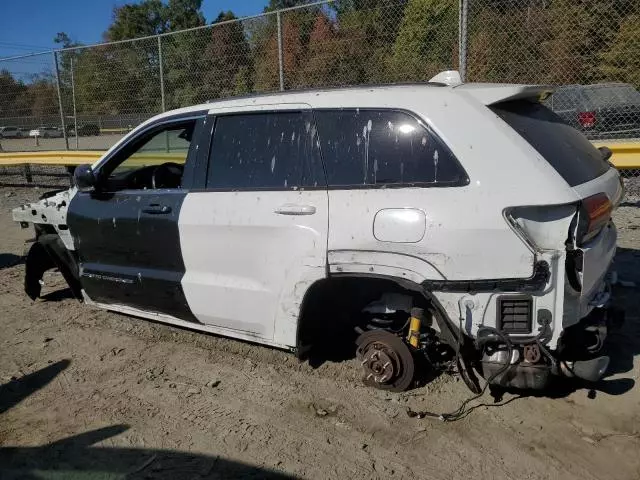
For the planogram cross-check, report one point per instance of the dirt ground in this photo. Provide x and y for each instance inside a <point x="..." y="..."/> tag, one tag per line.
<point x="91" y="394"/>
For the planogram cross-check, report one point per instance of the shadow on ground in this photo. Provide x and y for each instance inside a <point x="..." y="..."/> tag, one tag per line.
<point x="76" y="458"/>
<point x="18" y="389"/>
<point x="9" y="260"/>
<point x="58" y="295"/>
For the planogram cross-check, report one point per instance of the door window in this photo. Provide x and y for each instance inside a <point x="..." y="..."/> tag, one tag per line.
<point x="153" y="160"/>
<point x="383" y="147"/>
<point x="262" y="151"/>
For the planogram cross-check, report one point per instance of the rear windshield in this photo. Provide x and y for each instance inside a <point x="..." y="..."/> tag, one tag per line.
<point x="566" y="149"/>
<point x="606" y="96"/>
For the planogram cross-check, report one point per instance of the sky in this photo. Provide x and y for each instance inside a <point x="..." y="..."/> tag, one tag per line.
<point x="30" y="26"/>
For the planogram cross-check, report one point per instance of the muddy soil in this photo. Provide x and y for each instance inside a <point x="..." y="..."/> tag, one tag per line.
<point x="91" y="394"/>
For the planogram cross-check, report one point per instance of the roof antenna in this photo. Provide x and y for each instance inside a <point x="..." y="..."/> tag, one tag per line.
<point x="448" y="77"/>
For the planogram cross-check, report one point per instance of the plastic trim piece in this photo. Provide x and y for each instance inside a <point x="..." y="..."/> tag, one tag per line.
<point x="536" y="282"/>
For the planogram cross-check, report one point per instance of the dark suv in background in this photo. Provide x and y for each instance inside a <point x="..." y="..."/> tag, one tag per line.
<point x="601" y="111"/>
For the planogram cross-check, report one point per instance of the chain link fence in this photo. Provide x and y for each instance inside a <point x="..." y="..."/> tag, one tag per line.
<point x="90" y="96"/>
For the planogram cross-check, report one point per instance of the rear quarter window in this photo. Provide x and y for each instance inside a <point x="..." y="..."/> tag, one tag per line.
<point x="566" y="149"/>
<point x="362" y="147"/>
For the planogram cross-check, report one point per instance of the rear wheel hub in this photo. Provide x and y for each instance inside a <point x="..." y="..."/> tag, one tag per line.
<point x="386" y="360"/>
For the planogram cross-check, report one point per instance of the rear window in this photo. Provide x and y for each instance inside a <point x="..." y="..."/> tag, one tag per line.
<point x="567" y="150"/>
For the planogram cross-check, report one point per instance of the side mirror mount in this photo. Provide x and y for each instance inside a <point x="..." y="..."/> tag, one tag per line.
<point x="84" y="178"/>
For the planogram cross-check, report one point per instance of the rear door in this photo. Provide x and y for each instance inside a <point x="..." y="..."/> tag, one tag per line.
<point x="126" y="231"/>
<point x="255" y="237"/>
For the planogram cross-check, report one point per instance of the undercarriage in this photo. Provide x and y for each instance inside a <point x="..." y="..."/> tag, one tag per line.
<point x="397" y="345"/>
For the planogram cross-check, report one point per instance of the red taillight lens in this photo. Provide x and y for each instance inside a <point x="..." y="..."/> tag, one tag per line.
<point x="596" y="213"/>
<point x="587" y="119"/>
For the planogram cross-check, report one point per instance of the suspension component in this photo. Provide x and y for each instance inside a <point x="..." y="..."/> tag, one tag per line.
<point x="413" y="336"/>
<point x="387" y="361"/>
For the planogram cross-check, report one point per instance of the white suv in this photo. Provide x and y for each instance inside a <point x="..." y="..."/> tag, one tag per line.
<point x="429" y="223"/>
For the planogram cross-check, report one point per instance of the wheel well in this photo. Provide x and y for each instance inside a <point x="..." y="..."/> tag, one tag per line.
<point x="49" y="252"/>
<point x="331" y="311"/>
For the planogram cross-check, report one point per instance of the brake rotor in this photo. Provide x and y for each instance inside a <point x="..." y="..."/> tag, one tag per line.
<point x="387" y="361"/>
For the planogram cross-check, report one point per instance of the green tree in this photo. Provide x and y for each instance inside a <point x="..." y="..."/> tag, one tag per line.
<point x="12" y="96"/>
<point x="229" y="70"/>
<point x="152" y="17"/>
<point x="323" y="56"/>
<point x="366" y="31"/>
<point x="267" y="61"/>
<point x="556" y="41"/>
<point x="426" y="42"/>
<point x="133" y="68"/>
<point x="621" y="61"/>
<point x="280" y="4"/>
<point x="181" y="14"/>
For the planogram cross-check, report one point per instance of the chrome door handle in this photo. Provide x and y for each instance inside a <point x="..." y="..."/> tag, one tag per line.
<point x="292" y="209"/>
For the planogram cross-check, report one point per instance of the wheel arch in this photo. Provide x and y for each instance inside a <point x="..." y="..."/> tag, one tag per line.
<point x="321" y="295"/>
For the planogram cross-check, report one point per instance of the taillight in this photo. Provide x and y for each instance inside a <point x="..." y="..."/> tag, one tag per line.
<point x="595" y="213"/>
<point x="587" y="119"/>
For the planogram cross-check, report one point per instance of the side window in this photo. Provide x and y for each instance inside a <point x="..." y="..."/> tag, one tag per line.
<point x="169" y="145"/>
<point x="383" y="147"/>
<point x="153" y="160"/>
<point x="261" y="151"/>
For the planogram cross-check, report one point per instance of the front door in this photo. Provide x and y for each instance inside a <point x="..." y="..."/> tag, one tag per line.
<point x="126" y="231"/>
<point x="256" y="237"/>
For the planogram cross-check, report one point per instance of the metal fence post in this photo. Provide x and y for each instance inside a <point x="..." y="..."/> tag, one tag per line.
<point x="280" y="60"/>
<point x="64" y="129"/>
<point x="73" y="96"/>
<point x="27" y="173"/>
<point x="463" y="10"/>
<point x="161" y="73"/>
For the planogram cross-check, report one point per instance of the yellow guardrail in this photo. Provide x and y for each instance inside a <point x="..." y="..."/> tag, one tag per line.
<point x="54" y="158"/>
<point x="626" y="155"/>
<point x="78" y="157"/>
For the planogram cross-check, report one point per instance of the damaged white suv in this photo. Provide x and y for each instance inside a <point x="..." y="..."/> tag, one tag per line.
<point x="429" y="224"/>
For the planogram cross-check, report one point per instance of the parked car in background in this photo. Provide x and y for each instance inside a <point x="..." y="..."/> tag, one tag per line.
<point x="12" y="132"/>
<point x="601" y="111"/>
<point x="88" y="130"/>
<point x="46" y="132"/>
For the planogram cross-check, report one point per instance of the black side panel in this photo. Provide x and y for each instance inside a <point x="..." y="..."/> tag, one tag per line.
<point x="129" y="248"/>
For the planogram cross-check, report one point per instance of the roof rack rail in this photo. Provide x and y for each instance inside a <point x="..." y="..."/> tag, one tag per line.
<point x="429" y="83"/>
